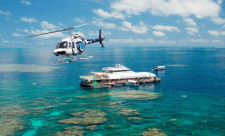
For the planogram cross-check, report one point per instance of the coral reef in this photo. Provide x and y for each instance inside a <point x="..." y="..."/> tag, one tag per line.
<point x="67" y="101"/>
<point x="92" y="127"/>
<point x="12" y="111"/>
<point x="70" y="133"/>
<point x="9" y="126"/>
<point x="129" y="112"/>
<point x="141" y="95"/>
<point x="39" y="101"/>
<point x="9" y="121"/>
<point x="84" y="121"/>
<point x="114" y="103"/>
<point x="134" y="118"/>
<point x="74" y="128"/>
<point x="88" y="117"/>
<point x="81" y="97"/>
<point x="154" y="132"/>
<point x="174" y="122"/>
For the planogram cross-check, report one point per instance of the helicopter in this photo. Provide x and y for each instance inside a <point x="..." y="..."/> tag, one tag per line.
<point x="73" y="46"/>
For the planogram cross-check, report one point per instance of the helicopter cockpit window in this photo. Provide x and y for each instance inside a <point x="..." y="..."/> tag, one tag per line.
<point x="57" y="46"/>
<point x="63" y="45"/>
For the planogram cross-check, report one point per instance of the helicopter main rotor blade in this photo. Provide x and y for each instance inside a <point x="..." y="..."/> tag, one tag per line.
<point x="69" y="28"/>
<point x="47" y="33"/>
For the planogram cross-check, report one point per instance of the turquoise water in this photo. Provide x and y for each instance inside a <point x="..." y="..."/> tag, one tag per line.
<point x="37" y="97"/>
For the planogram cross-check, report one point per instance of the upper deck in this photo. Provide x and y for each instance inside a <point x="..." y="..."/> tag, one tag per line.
<point x="117" y="68"/>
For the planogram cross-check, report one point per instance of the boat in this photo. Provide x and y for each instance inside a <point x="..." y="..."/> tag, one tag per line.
<point x="132" y="83"/>
<point x="118" y="75"/>
<point x="160" y="68"/>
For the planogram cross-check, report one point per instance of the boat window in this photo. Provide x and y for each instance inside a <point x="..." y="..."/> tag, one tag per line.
<point x="63" y="45"/>
<point x="73" y="45"/>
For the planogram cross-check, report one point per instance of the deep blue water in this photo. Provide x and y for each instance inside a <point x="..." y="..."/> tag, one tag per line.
<point x="192" y="88"/>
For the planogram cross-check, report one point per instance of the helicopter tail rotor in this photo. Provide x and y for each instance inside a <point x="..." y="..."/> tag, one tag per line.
<point x="101" y="38"/>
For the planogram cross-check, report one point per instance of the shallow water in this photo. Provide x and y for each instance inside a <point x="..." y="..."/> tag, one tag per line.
<point x="192" y="89"/>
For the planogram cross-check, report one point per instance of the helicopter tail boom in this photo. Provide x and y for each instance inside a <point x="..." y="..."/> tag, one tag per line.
<point x="100" y="39"/>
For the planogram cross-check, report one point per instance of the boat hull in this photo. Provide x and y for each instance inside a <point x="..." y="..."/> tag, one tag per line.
<point x="109" y="85"/>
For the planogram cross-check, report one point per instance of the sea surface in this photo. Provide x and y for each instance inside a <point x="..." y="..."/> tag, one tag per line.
<point x="39" y="99"/>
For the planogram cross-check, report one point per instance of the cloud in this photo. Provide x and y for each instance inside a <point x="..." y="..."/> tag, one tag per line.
<point x="97" y="1"/>
<point x="45" y="27"/>
<point x="218" y="20"/>
<point x="104" y="14"/>
<point x="6" y="13"/>
<point x="216" y="33"/>
<point x="60" y="24"/>
<point x="190" y="21"/>
<point x="26" y="2"/>
<point x="22" y="30"/>
<point x="106" y="25"/>
<point x="199" y="40"/>
<point x="127" y="26"/>
<point x="185" y="8"/>
<point x="213" y="32"/>
<point x="166" y="28"/>
<point x="158" y="33"/>
<point x="4" y="41"/>
<point x="28" y="20"/>
<point x="105" y="33"/>
<point x="48" y="26"/>
<point x="191" y="30"/>
<point x="217" y="41"/>
<point x="146" y="41"/>
<point x="16" y="34"/>
<point x="130" y="41"/>
<point x="52" y="35"/>
<point x="92" y="33"/>
<point x="219" y="2"/>
<point x="79" y="20"/>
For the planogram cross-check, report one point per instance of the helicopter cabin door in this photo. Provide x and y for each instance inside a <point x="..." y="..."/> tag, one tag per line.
<point x="70" y="50"/>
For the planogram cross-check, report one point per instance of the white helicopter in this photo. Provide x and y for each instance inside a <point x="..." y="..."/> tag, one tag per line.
<point x="75" y="45"/>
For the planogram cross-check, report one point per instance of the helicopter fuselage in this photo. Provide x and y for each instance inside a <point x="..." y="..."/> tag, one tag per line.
<point x="72" y="46"/>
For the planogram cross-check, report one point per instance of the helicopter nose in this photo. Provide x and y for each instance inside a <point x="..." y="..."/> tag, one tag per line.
<point x="59" y="52"/>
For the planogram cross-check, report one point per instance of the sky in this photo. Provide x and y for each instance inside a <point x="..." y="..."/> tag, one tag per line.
<point x="181" y="23"/>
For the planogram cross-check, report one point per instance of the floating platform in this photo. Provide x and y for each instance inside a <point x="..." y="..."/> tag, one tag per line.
<point x="117" y="76"/>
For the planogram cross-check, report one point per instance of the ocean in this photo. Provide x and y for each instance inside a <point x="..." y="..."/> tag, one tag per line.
<point x="39" y="99"/>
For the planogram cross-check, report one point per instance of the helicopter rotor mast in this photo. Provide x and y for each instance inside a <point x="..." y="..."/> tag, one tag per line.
<point x="69" y="28"/>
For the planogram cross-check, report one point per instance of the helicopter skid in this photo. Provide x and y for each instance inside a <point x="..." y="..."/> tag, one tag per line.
<point x="72" y="60"/>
